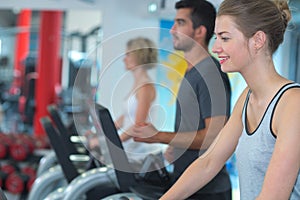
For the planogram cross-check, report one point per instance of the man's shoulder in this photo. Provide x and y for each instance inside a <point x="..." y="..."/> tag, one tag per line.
<point x="208" y="65"/>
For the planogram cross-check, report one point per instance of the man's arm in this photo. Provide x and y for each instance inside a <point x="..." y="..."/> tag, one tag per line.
<point x="200" y="139"/>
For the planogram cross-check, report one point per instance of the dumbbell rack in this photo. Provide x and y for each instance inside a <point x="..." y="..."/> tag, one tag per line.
<point x="19" y="162"/>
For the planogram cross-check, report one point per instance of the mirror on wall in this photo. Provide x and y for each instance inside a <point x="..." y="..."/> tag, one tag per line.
<point x="80" y="34"/>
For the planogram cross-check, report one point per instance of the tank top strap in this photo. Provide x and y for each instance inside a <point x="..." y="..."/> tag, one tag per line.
<point x="281" y="91"/>
<point x="245" y="106"/>
<point x="274" y="101"/>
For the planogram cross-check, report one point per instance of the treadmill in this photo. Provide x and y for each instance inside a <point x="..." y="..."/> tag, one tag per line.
<point x="127" y="180"/>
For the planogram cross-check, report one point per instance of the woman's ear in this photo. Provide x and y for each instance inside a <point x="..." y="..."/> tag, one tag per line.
<point x="259" y="39"/>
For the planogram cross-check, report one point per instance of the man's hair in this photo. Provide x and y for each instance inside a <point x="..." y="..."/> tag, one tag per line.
<point x="203" y="13"/>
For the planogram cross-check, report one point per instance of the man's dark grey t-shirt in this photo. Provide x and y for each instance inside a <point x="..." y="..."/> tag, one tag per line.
<point x="204" y="92"/>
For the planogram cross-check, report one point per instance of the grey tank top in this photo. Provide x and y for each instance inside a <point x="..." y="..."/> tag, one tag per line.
<point x="255" y="149"/>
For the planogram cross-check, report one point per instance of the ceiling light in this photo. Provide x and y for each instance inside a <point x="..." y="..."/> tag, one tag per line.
<point x="152" y="7"/>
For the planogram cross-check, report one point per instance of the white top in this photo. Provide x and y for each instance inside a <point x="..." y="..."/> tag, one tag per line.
<point x="136" y="151"/>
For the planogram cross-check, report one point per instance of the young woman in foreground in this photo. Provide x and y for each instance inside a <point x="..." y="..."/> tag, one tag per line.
<point x="264" y="128"/>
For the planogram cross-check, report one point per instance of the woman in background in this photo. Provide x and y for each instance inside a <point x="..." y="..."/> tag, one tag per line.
<point x="141" y="55"/>
<point x="264" y="127"/>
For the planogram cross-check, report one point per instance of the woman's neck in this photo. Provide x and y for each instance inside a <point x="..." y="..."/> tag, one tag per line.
<point x="262" y="79"/>
<point x="140" y="77"/>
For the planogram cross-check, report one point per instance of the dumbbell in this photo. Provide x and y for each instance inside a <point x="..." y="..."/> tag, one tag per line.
<point x="6" y="169"/>
<point x="20" y="182"/>
<point x="16" y="183"/>
<point x="22" y="147"/>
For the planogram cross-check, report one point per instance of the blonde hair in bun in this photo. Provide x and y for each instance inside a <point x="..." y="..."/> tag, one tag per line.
<point x="285" y="11"/>
<point x="250" y="16"/>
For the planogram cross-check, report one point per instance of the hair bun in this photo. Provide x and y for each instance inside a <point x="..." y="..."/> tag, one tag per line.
<point x="285" y="11"/>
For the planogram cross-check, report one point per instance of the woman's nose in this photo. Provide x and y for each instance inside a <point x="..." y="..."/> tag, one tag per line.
<point x="216" y="48"/>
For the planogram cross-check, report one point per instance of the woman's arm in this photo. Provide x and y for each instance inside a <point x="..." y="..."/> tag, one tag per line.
<point x="285" y="162"/>
<point x="202" y="170"/>
<point x="145" y="96"/>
